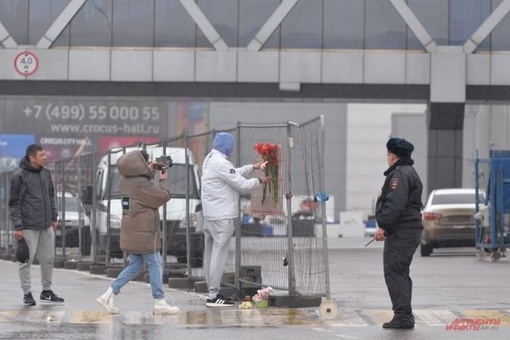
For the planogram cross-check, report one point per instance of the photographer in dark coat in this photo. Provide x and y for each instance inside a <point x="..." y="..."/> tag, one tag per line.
<point x="398" y="214"/>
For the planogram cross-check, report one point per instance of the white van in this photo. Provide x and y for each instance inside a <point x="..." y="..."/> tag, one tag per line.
<point x="108" y="197"/>
<point x="75" y="220"/>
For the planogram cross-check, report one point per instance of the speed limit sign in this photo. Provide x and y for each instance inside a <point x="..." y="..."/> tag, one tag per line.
<point x="26" y="63"/>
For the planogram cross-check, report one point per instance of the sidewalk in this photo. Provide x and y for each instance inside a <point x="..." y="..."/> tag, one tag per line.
<point x="80" y="290"/>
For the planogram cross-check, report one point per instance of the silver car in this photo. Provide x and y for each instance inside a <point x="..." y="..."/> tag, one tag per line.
<point x="448" y="219"/>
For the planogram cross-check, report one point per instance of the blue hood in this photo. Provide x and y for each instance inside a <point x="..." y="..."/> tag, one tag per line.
<point x="224" y="142"/>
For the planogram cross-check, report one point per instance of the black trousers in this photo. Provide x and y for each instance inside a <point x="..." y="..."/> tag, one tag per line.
<point x="399" y="248"/>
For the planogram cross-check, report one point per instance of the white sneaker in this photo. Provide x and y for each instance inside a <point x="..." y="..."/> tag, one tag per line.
<point x="106" y="300"/>
<point x="161" y="307"/>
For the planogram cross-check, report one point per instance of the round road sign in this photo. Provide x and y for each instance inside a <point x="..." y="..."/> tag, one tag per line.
<point x="26" y="63"/>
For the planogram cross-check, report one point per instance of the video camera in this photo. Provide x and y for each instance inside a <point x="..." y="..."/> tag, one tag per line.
<point x="163" y="163"/>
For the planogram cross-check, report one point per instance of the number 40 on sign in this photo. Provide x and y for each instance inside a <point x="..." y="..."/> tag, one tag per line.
<point x="26" y="63"/>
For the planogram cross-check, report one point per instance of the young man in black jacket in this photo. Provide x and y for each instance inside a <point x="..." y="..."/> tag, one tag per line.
<point x="398" y="214"/>
<point x="34" y="216"/>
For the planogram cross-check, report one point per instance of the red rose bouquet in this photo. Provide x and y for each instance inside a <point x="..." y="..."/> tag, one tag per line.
<point x="268" y="152"/>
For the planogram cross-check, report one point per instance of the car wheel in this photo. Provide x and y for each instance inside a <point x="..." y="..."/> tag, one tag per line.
<point x="425" y="250"/>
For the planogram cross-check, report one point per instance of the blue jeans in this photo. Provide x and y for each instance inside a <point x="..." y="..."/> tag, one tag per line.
<point x="135" y="267"/>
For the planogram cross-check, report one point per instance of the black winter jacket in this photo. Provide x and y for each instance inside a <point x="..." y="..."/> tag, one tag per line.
<point x="32" y="198"/>
<point x="399" y="204"/>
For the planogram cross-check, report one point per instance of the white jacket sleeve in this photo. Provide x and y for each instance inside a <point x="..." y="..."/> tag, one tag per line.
<point x="245" y="170"/>
<point x="234" y="178"/>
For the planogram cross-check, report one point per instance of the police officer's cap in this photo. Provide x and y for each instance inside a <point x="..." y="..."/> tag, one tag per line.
<point x="400" y="147"/>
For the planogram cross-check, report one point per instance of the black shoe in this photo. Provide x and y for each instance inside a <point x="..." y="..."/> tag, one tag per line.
<point x="220" y="301"/>
<point x="47" y="296"/>
<point x="28" y="299"/>
<point x="400" y="323"/>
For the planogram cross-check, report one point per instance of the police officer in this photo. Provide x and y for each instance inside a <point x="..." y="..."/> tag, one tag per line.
<point x="399" y="225"/>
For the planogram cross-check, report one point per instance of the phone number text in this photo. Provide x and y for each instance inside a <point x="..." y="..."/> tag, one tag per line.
<point x="80" y="112"/>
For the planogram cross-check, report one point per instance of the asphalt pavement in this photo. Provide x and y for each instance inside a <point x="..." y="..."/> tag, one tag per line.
<point x="456" y="296"/>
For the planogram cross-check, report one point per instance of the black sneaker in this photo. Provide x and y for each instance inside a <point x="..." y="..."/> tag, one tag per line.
<point x="400" y="323"/>
<point x="47" y="296"/>
<point x="28" y="299"/>
<point x="220" y="301"/>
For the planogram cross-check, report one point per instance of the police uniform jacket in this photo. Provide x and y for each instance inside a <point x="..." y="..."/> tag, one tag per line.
<point x="399" y="204"/>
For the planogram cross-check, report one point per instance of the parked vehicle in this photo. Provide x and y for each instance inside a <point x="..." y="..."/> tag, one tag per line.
<point x="448" y="219"/>
<point x="370" y="226"/>
<point x="75" y="220"/>
<point x="108" y="197"/>
<point x="178" y="238"/>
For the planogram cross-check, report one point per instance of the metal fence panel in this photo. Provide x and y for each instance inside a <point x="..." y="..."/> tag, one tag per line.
<point x="6" y="239"/>
<point x="279" y="240"/>
<point x="280" y="243"/>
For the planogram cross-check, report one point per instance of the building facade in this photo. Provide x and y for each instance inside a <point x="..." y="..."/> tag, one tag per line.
<point x="114" y="62"/>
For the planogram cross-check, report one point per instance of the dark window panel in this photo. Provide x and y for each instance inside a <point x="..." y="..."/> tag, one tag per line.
<point x="14" y="16"/>
<point x="385" y="28"/>
<point x="302" y="28"/>
<point x="133" y="23"/>
<point x="499" y="38"/>
<point x="41" y="14"/>
<point x="253" y="14"/>
<point x="343" y="24"/>
<point x="433" y="15"/>
<point x="223" y="15"/>
<point x="465" y="17"/>
<point x="92" y="25"/>
<point x="174" y="26"/>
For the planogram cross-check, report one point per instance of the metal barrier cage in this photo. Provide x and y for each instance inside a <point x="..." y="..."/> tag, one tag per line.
<point x="7" y="243"/>
<point x="493" y="223"/>
<point x="107" y="204"/>
<point x="73" y="238"/>
<point x="279" y="240"/>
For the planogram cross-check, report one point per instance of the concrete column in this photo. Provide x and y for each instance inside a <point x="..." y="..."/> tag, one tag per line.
<point x="445" y="123"/>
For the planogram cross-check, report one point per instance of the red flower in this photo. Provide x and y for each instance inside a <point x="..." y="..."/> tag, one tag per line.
<point x="268" y="153"/>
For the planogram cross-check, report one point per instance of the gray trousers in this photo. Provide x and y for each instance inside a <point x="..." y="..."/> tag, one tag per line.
<point x="217" y="235"/>
<point x="42" y="243"/>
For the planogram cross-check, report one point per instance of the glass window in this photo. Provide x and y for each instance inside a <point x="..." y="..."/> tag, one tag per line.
<point x="343" y="24"/>
<point x="223" y="15"/>
<point x="499" y="37"/>
<point x="14" y="16"/>
<point x="92" y="25"/>
<point x="465" y="18"/>
<point x="385" y="29"/>
<point x="433" y="15"/>
<point x="253" y="14"/>
<point x="133" y="23"/>
<point x="302" y="28"/>
<point x="41" y="14"/>
<point x="174" y="27"/>
<point x="457" y="198"/>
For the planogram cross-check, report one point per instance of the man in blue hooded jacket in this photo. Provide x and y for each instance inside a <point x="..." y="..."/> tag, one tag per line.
<point x="221" y="184"/>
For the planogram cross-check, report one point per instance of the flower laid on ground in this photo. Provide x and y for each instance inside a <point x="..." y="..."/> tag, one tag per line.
<point x="268" y="152"/>
<point x="245" y="305"/>
<point x="262" y="294"/>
